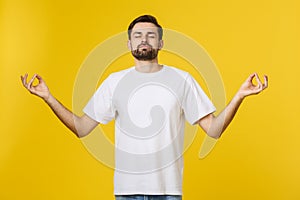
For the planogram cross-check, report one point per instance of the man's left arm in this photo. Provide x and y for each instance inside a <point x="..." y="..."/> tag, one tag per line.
<point x="214" y="126"/>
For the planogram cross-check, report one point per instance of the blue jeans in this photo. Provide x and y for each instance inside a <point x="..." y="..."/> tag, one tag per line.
<point x="148" y="197"/>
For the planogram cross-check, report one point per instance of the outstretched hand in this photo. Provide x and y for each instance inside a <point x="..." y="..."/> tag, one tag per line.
<point x="40" y="89"/>
<point x="248" y="88"/>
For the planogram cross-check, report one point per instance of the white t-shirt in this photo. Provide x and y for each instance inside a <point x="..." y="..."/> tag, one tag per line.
<point x="150" y="110"/>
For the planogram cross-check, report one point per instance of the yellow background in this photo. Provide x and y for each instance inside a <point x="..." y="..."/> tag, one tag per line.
<point x="258" y="155"/>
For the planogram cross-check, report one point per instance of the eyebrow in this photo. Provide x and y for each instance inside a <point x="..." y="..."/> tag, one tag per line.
<point x="138" y="32"/>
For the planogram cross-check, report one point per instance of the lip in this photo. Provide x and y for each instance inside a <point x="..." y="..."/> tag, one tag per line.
<point x="143" y="46"/>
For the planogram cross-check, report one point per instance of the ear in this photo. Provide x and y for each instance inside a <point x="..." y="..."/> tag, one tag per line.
<point x="160" y="44"/>
<point x="129" y="45"/>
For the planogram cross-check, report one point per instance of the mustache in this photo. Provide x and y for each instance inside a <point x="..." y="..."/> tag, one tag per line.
<point x="144" y="44"/>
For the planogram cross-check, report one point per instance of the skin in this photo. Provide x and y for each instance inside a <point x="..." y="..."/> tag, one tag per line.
<point x="143" y="33"/>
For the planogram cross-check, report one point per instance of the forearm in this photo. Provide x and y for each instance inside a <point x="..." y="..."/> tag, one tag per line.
<point x="68" y="118"/>
<point x="221" y="122"/>
<point x="80" y="126"/>
<point x="215" y="126"/>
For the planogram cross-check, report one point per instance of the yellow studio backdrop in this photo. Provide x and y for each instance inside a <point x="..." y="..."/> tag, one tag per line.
<point x="256" y="158"/>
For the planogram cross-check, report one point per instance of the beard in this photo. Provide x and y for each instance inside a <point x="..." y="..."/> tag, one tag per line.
<point x="145" y="54"/>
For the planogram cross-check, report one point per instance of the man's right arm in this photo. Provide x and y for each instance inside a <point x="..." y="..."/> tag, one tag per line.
<point x="80" y="126"/>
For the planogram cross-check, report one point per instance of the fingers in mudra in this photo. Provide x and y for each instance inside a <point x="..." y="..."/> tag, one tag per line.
<point x="250" y="88"/>
<point x="40" y="89"/>
<point x="260" y="86"/>
<point x="29" y="86"/>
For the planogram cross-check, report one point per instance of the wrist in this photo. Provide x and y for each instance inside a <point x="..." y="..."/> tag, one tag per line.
<point x="48" y="99"/>
<point x="239" y="96"/>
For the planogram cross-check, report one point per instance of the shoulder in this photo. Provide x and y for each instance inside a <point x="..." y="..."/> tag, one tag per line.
<point x="115" y="76"/>
<point x="111" y="82"/>
<point x="182" y="73"/>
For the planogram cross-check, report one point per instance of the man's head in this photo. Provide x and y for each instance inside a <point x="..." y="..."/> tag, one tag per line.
<point x="147" y="19"/>
<point x="145" y="37"/>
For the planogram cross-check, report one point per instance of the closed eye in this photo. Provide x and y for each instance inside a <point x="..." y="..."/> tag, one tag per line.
<point x="137" y="35"/>
<point x="151" y="35"/>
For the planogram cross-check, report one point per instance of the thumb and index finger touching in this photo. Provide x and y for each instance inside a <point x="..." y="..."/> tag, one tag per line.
<point x="261" y="85"/>
<point x="35" y="76"/>
<point x="29" y="84"/>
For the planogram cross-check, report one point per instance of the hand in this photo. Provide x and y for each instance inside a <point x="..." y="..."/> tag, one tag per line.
<point x="248" y="88"/>
<point x="40" y="89"/>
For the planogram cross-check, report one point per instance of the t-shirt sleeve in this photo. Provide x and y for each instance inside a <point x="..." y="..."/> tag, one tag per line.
<point x="196" y="103"/>
<point x="100" y="107"/>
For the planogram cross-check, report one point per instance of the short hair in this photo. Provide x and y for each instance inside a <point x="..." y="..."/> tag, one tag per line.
<point x="145" y="18"/>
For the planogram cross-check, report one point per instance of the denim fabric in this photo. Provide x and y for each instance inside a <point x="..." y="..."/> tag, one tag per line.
<point x="148" y="197"/>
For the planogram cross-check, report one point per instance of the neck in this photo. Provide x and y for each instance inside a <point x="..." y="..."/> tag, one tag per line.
<point x="148" y="66"/>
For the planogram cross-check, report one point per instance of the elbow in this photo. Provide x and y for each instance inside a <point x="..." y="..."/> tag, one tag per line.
<point x="215" y="130"/>
<point x="214" y="135"/>
<point x="81" y="134"/>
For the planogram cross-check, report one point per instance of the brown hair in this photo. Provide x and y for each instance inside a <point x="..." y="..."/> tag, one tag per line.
<point x="145" y="18"/>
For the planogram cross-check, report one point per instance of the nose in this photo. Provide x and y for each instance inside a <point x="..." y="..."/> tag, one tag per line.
<point x="144" y="38"/>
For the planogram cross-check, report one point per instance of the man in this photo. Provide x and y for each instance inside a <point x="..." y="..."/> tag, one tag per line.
<point x="150" y="103"/>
